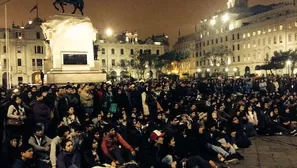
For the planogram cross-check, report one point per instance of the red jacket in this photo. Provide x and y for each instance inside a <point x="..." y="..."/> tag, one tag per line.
<point x="108" y="144"/>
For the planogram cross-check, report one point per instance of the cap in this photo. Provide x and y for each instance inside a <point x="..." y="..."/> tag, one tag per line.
<point x="156" y="134"/>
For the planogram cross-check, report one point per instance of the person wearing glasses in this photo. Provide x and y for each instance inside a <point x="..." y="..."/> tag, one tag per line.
<point x="26" y="157"/>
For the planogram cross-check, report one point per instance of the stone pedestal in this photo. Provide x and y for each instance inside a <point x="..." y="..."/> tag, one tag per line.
<point x="70" y="54"/>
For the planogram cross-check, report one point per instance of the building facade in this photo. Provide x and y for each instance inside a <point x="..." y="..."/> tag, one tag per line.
<point x="114" y="50"/>
<point x="187" y="43"/>
<point x="236" y="40"/>
<point x="22" y="61"/>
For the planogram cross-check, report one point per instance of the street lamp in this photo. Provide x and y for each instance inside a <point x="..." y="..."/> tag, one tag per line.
<point x="289" y="62"/>
<point x="226" y="69"/>
<point x="235" y="69"/>
<point x="207" y="69"/>
<point x="225" y="18"/>
<point x="108" y="33"/>
<point x="199" y="70"/>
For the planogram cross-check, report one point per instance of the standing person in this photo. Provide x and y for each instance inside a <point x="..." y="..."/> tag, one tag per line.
<point x="86" y="100"/>
<point x="15" y="116"/>
<point x="41" y="112"/>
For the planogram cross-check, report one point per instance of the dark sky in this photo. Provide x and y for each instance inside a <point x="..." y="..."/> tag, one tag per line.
<point x="146" y="16"/>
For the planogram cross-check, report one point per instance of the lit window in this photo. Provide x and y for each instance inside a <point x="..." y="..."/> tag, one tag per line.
<point x="295" y="23"/>
<point x="254" y="43"/>
<point x="254" y="33"/>
<point x="281" y="27"/>
<point x="243" y="46"/>
<point x="248" y="35"/>
<point x="259" y="32"/>
<point x="269" y="29"/>
<point x="274" y="28"/>
<point x="249" y="45"/>
<point x="243" y="35"/>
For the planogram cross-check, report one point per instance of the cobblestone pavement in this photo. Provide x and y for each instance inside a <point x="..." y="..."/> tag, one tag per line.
<point x="270" y="152"/>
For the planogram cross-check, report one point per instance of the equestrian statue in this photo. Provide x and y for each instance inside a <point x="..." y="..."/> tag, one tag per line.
<point x="78" y="4"/>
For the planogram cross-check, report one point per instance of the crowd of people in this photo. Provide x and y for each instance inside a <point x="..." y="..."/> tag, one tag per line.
<point x="154" y="124"/>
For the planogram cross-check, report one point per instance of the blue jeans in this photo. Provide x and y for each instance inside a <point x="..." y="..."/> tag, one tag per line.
<point x="118" y="153"/>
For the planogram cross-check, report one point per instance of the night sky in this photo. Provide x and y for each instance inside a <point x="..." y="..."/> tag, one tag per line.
<point x="146" y="16"/>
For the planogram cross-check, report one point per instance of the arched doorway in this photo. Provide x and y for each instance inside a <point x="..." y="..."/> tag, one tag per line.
<point x="236" y="71"/>
<point x="36" y="78"/>
<point x="4" y="79"/>
<point x="207" y="74"/>
<point x="247" y="71"/>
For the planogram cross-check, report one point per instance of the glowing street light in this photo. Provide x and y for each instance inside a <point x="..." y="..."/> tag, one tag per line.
<point x="235" y="69"/>
<point x="218" y="64"/>
<point x="207" y="69"/>
<point x="108" y="32"/>
<point x="226" y="69"/>
<point x="199" y="70"/>
<point x="225" y="18"/>
<point x="212" y="22"/>
<point x="289" y="62"/>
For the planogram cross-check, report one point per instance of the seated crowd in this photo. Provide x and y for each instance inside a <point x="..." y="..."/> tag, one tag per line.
<point x="163" y="124"/>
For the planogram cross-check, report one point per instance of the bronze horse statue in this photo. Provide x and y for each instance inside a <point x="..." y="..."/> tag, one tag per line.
<point x="78" y="4"/>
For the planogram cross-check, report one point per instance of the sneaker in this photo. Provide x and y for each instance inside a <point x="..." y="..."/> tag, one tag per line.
<point x="235" y="146"/>
<point x="279" y="133"/>
<point x="231" y="160"/>
<point x="293" y="132"/>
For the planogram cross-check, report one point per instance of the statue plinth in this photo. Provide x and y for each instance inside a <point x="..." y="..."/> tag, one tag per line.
<point x="70" y="50"/>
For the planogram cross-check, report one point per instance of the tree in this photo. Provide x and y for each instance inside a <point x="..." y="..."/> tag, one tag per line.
<point x="281" y="57"/>
<point x="125" y="65"/>
<point x="219" y="55"/>
<point x="172" y="59"/>
<point x="277" y="61"/>
<point x="142" y="61"/>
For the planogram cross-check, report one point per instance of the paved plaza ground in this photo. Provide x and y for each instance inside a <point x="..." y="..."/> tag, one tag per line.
<point x="270" y="152"/>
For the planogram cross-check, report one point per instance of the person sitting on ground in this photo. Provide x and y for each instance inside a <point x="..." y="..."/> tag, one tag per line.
<point x="112" y="146"/>
<point x="26" y="159"/>
<point x="62" y="133"/>
<point x="41" y="145"/>
<point x="71" y="119"/>
<point x="68" y="157"/>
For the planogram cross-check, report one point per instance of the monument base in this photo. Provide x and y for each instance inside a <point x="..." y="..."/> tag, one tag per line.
<point x="63" y="77"/>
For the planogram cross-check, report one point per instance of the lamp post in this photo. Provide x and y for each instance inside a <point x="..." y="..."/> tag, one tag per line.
<point x="108" y="33"/>
<point x="8" y="69"/>
<point x="289" y="62"/>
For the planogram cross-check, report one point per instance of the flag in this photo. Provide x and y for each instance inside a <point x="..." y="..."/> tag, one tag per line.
<point x="35" y="7"/>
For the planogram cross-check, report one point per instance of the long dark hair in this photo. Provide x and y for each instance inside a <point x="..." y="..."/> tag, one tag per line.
<point x="13" y="99"/>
